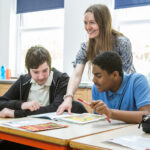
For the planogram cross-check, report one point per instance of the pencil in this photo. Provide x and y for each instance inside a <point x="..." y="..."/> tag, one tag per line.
<point x="108" y="119"/>
<point x="83" y="101"/>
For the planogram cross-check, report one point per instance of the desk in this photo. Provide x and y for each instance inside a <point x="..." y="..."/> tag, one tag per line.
<point x="86" y="94"/>
<point x="59" y="138"/>
<point x="99" y="141"/>
<point x="4" y="87"/>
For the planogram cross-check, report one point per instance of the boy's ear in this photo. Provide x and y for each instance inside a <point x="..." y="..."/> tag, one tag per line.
<point x="116" y="74"/>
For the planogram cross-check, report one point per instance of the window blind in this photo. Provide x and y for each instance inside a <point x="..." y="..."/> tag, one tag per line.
<point x="24" y="6"/>
<point x="130" y="3"/>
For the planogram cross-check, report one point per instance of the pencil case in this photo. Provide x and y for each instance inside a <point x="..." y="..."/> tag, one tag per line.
<point x="145" y="123"/>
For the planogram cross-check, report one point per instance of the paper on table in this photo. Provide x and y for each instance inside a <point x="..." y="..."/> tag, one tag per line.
<point x="33" y="125"/>
<point x="18" y="123"/>
<point x="132" y="141"/>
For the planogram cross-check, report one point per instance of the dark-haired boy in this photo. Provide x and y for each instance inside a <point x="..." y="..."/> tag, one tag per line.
<point x="118" y="95"/>
<point x="39" y="91"/>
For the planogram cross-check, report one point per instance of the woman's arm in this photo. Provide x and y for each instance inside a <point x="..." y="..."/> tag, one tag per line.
<point x="75" y="79"/>
<point x="71" y="88"/>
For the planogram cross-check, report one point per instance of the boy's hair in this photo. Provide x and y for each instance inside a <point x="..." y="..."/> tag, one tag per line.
<point x="36" y="56"/>
<point x="109" y="61"/>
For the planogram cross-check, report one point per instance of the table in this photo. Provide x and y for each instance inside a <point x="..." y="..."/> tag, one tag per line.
<point x="59" y="138"/>
<point x="99" y="141"/>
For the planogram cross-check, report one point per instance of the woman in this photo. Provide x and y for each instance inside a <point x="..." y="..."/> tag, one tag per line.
<point x="102" y="37"/>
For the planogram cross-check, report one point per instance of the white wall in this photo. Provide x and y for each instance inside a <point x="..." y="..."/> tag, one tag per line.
<point x="74" y="32"/>
<point x="4" y="31"/>
<point x="7" y="32"/>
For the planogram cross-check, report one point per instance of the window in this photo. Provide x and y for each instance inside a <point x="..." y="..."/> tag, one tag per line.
<point x="45" y="28"/>
<point x="135" y="24"/>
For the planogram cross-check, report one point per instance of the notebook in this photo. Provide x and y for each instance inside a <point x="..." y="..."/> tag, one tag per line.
<point x="74" y="118"/>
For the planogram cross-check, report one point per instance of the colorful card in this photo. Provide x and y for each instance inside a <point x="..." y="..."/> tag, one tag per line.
<point x="43" y="126"/>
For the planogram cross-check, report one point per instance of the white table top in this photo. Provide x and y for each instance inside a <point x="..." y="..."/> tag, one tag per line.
<point x="99" y="141"/>
<point x="61" y="136"/>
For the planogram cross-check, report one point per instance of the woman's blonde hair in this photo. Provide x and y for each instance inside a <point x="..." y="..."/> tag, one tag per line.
<point x="107" y="35"/>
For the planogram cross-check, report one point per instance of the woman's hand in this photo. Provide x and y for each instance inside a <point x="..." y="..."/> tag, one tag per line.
<point x="66" y="105"/>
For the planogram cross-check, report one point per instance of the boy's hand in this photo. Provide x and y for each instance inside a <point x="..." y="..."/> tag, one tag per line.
<point x="31" y="105"/>
<point x="101" y="108"/>
<point x="7" y="113"/>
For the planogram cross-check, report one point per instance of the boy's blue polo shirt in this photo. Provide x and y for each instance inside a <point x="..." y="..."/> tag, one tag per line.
<point x="133" y="93"/>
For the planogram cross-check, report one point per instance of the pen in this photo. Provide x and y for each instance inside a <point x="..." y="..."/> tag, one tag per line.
<point x="83" y="101"/>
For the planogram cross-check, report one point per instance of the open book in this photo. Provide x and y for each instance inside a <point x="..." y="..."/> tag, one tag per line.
<point x="33" y="125"/>
<point x="74" y="118"/>
<point x="51" y="116"/>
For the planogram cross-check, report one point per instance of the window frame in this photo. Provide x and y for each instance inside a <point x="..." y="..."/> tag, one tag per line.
<point x="21" y="29"/>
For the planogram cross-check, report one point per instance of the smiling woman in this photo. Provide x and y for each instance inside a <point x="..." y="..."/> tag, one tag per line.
<point x="102" y="37"/>
<point x="90" y="25"/>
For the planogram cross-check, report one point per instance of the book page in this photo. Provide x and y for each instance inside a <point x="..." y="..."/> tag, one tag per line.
<point x="73" y="118"/>
<point x="51" y="116"/>
<point x="132" y="141"/>
<point x="83" y="118"/>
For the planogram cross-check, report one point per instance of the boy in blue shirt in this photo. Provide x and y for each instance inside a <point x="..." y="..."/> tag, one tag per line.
<point x="118" y="95"/>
